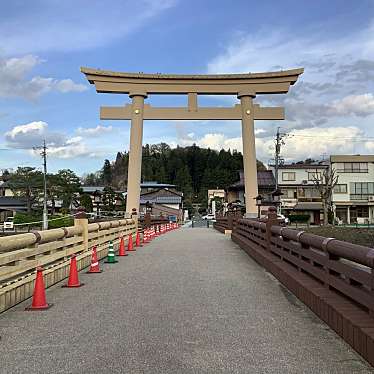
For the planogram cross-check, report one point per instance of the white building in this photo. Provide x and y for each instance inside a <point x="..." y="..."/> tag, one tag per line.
<point x="299" y="191"/>
<point x="353" y="196"/>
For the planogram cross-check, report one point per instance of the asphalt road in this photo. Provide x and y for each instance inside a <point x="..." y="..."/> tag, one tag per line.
<point x="189" y="302"/>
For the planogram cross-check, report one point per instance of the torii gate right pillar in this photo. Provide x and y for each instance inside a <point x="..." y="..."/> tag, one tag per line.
<point x="249" y="153"/>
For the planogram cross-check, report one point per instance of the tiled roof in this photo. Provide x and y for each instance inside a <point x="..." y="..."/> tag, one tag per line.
<point x="161" y="199"/>
<point x="8" y="202"/>
<point x="265" y="178"/>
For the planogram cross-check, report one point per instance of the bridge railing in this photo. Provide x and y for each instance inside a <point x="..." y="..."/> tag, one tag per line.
<point x="333" y="278"/>
<point x="228" y="222"/>
<point x="21" y="254"/>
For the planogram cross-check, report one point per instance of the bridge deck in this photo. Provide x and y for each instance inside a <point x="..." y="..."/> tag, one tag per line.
<point x="189" y="302"/>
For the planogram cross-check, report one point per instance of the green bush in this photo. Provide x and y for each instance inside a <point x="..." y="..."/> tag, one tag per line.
<point x="299" y="218"/>
<point x="63" y="222"/>
<point x="22" y="218"/>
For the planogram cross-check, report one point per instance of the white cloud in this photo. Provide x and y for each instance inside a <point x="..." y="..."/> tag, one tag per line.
<point x="14" y="81"/>
<point x="37" y="127"/>
<point x="94" y="131"/>
<point x="67" y="85"/>
<point x="59" y="144"/>
<point x="360" y="105"/>
<point x="73" y="148"/>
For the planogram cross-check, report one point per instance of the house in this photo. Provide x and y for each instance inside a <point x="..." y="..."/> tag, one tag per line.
<point x="9" y="205"/>
<point x="353" y="196"/>
<point x="162" y="201"/>
<point x="266" y="188"/>
<point x="299" y="193"/>
<point x="5" y="190"/>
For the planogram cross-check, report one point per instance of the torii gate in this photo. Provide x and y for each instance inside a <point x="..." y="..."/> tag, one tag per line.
<point x="245" y="86"/>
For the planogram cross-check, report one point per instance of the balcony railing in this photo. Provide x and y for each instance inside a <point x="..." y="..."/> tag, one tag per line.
<point x="362" y="197"/>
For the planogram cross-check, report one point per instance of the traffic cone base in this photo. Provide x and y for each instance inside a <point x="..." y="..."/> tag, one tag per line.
<point x="94" y="272"/>
<point x="33" y="308"/>
<point x="73" y="285"/>
<point x="111" y="261"/>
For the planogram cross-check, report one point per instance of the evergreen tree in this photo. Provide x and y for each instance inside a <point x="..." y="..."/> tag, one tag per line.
<point x="107" y="173"/>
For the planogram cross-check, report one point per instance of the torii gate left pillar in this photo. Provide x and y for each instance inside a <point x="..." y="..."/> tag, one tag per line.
<point x="135" y="153"/>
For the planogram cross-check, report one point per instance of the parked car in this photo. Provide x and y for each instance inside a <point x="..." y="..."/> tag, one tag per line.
<point x="9" y="224"/>
<point x="208" y="217"/>
<point x="286" y="219"/>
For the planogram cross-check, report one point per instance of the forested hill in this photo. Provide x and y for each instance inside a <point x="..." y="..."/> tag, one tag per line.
<point x="192" y="169"/>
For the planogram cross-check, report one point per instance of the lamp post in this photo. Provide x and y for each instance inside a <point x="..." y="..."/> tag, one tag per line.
<point x="277" y="199"/>
<point x="258" y="199"/>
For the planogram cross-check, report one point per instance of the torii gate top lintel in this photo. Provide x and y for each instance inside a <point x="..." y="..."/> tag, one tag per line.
<point x="216" y="84"/>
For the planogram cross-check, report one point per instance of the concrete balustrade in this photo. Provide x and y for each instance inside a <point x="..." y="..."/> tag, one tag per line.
<point x="21" y="254"/>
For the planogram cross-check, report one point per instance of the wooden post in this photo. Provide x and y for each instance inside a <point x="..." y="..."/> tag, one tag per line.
<point x="82" y="221"/>
<point x="270" y="221"/>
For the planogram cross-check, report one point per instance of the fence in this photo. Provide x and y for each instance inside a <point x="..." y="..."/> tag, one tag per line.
<point x="335" y="279"/>
<point x="21" y="254"/>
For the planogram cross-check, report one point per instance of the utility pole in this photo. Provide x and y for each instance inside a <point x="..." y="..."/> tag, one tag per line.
<point x="279" y="141"/>
<point x="43" y="153"/>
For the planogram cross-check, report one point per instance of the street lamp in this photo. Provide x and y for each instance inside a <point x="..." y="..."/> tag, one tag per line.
<point x="276" y="198"/>
<point x="258" y="203"/>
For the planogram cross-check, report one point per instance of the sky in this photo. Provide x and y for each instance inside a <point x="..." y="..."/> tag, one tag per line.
<point x="43" y="94"/>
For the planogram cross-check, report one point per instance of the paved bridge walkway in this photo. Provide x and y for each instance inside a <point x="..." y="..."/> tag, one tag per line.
<point x="189" y="302"/>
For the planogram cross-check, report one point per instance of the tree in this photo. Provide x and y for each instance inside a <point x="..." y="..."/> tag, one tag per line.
<point x="54" y="189"/>
<point x="109" y="199"/>
<point x="70" y="186"/>
<point x="91" y="179"/>
<point x="107" y="173"/>
<point x="325" y="183"/>
<point x="86" y="202"/>
<point x="27" y="182"/>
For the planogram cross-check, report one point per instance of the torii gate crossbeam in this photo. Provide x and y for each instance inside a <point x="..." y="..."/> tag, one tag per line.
<point x="244" y="86"/>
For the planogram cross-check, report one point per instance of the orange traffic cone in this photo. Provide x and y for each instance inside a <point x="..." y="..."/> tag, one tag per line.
<point x="94" y="268"/>
<point x="73" y="281"/>
<point x="145" y="236"/>
<point x="137" y="240"/>
<point x="122" y="249"/>
<point x="39" y="301"/>
<point x="130" y="245"/>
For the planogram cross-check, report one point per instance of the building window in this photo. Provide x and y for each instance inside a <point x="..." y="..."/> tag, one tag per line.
<point x="340" y="188"/>
<point x="361" y="190"/>
<point x="352" y="167"/>
<point x="289" y="194"/>
<point x="288" y="176"/>
<point x="314" y="175"/>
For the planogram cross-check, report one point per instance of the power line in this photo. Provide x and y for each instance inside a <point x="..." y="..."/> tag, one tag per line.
<point x="334" y="138"/>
